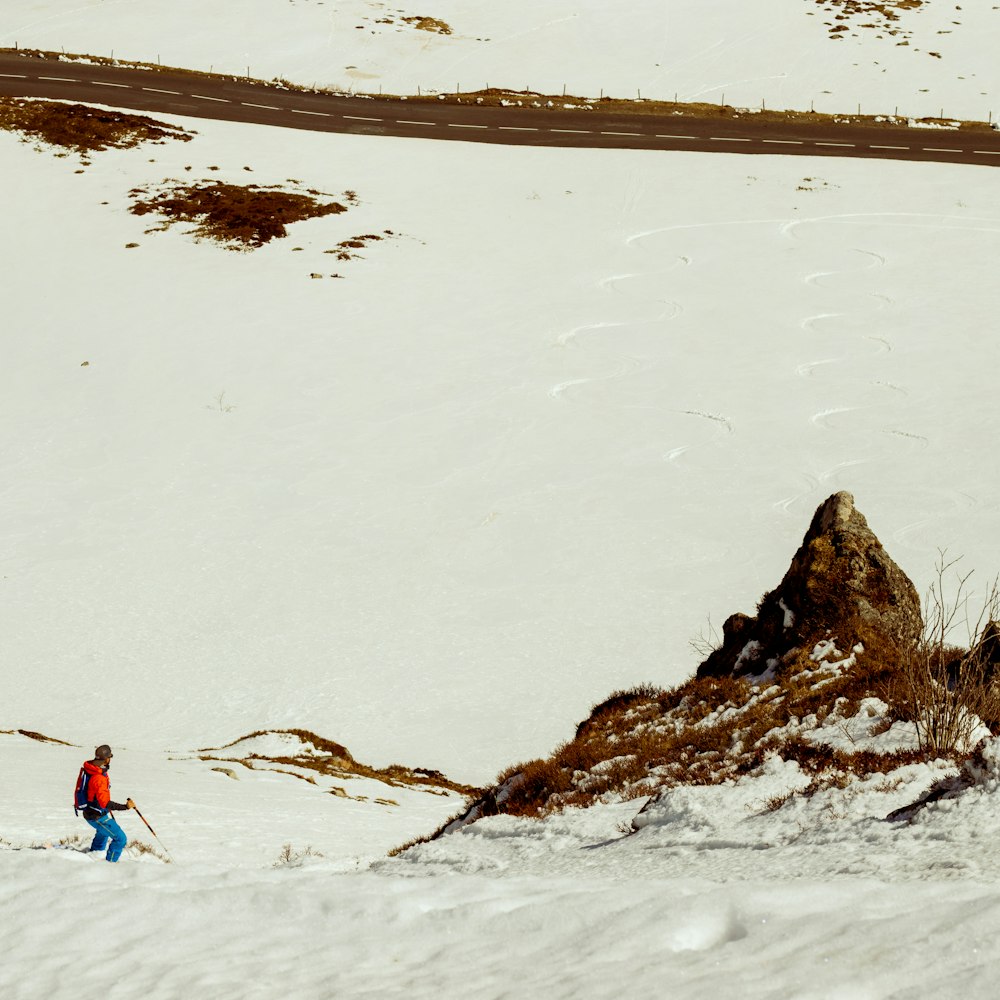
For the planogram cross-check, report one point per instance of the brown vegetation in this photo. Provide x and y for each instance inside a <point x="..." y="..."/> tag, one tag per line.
<point x="82" y="129"/>
<point x="335" y="760"/>
<point x="239" y="216"/>
<point x="432" y="24"/>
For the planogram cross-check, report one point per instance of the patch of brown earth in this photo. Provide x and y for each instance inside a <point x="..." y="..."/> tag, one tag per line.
<point x="82" y="129"/>
<point x="238" y="216"/>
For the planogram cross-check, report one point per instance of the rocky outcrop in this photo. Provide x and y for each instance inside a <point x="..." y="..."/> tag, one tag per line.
<point x="841" y="586"/>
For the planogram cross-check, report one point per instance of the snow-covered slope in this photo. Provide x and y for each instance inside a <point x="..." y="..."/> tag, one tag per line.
<point x="718" y="891"/>
<point x="434" y="508"/>
<point x="508" y="462"/>
<point x="917" y="56"/>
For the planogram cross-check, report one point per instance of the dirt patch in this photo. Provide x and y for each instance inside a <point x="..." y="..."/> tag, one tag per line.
<point x="349" y="249"/>
<point x="333" y="759"/>
<point x="238" y="216"/>
<point x="428" y="24"/>
<point x="82" y="129"/>
<point x="881" y="16"/>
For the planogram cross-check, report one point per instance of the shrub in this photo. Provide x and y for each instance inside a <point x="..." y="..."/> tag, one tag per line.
<point x="949" y="691"/>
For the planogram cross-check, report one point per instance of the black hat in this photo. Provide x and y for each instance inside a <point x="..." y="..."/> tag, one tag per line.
<point x="103" y="752"/>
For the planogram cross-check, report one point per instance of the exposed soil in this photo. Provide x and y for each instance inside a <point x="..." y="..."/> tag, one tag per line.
<point x="239" y="216"/>
<point x="347" y="249"/>
<point x="878" y="15"/>
<point x="335" y="759"/>
<point x="83" y="129"/>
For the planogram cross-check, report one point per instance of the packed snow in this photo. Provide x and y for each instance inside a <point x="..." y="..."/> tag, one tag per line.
<point x="736" y="887"/>
<point x="893" y="58"/>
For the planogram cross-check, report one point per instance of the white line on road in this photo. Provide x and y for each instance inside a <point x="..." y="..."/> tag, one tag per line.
<point x="849" y="145"/>
<point x="938" y="149"/>
<point x="358" y="118"/>
<point x="728" y="138"/>
<point x="221" y="100"/>
<point x="621" y="133"/>
<point x="987" y="152"/>
<point x="102" y="83"/>
<point x="403" y="121"/>
<point x="659" y="136"/>
<point x="21" y="76"/>
<point x="59" y="79"/>
<point x="322" y="114"/>
<point x="516" y="128"/>
<point x="572" y="131"/>
<point x="266" y="107"/>
<point x="873" y="146"/>
<point x="785" y="142"/>
<point x="453" y="125"/>
<point x="156" y="90"/>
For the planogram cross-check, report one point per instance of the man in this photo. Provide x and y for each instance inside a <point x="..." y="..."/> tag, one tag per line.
<point x="93" y="796"/>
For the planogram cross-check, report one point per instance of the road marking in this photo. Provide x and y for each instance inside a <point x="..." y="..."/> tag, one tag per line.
<point x="403" y="121"/>
<point x="572" y="131"/>
<point x="873" y="146"/>
<point x="201" y="97"/>
<point x="659" y="136"/>
<point x="358" y="118"/>
<point x="21" y="76"/>
<point x="938" y="149"/>
<point x="785" y="142"/>
<point x="987" y="152"/>
<point x="849" y="145"/>
<point x="299" y="111"/>
<point x="60" y="79"/>
<point x="515" y="128"/>
<point x="101" y="83"/>
<point x="156" y="90"/>
<point x="453" y="125"/>
<point x="727" y="138"/>
<point x="266" y="107"/>
<point x="621" y="133"/>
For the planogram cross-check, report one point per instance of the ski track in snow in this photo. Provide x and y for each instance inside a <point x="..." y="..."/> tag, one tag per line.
<point x="627" y="365"/>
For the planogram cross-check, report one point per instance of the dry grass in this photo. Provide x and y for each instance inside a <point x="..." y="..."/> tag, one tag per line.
<point x="337" y="761"/>
<point x="431" y="24"/>
<point x="137" y="848"/>
<point x="706" y="731"/>
<point x="239" y="216"/>
<point x="948" y="690"/>
<point x="40" y="737"/>
<point x="82" y="129"/>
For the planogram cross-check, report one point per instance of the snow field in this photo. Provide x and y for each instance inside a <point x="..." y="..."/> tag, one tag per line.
<point x="507" y="464"/>
<point x="778" y="52"/>
<point x="311" y="935"/>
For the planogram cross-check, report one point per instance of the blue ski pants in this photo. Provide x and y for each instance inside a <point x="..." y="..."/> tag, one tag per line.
<point x="110" y="833"/>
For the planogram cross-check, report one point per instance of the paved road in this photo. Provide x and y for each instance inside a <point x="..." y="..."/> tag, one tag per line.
<point x="243" y="101"/>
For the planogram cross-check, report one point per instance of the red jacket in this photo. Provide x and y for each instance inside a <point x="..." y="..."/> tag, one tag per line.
<point x="99" y="790"/>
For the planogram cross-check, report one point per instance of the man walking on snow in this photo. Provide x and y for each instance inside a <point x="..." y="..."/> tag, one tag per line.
<point x="93" y="796"/>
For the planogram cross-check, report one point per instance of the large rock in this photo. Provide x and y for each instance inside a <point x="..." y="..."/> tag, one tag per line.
<point x="841" y="585"/>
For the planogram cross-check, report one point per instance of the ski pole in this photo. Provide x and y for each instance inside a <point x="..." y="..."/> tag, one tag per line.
<point x="151" y="830"/>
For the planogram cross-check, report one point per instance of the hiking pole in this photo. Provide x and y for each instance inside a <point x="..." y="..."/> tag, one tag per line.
<point x="151" y="830"/>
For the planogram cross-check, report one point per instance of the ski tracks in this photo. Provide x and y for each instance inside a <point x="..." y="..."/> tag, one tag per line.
<point x="622" y="365"/>
<point x="854" y="327"/>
